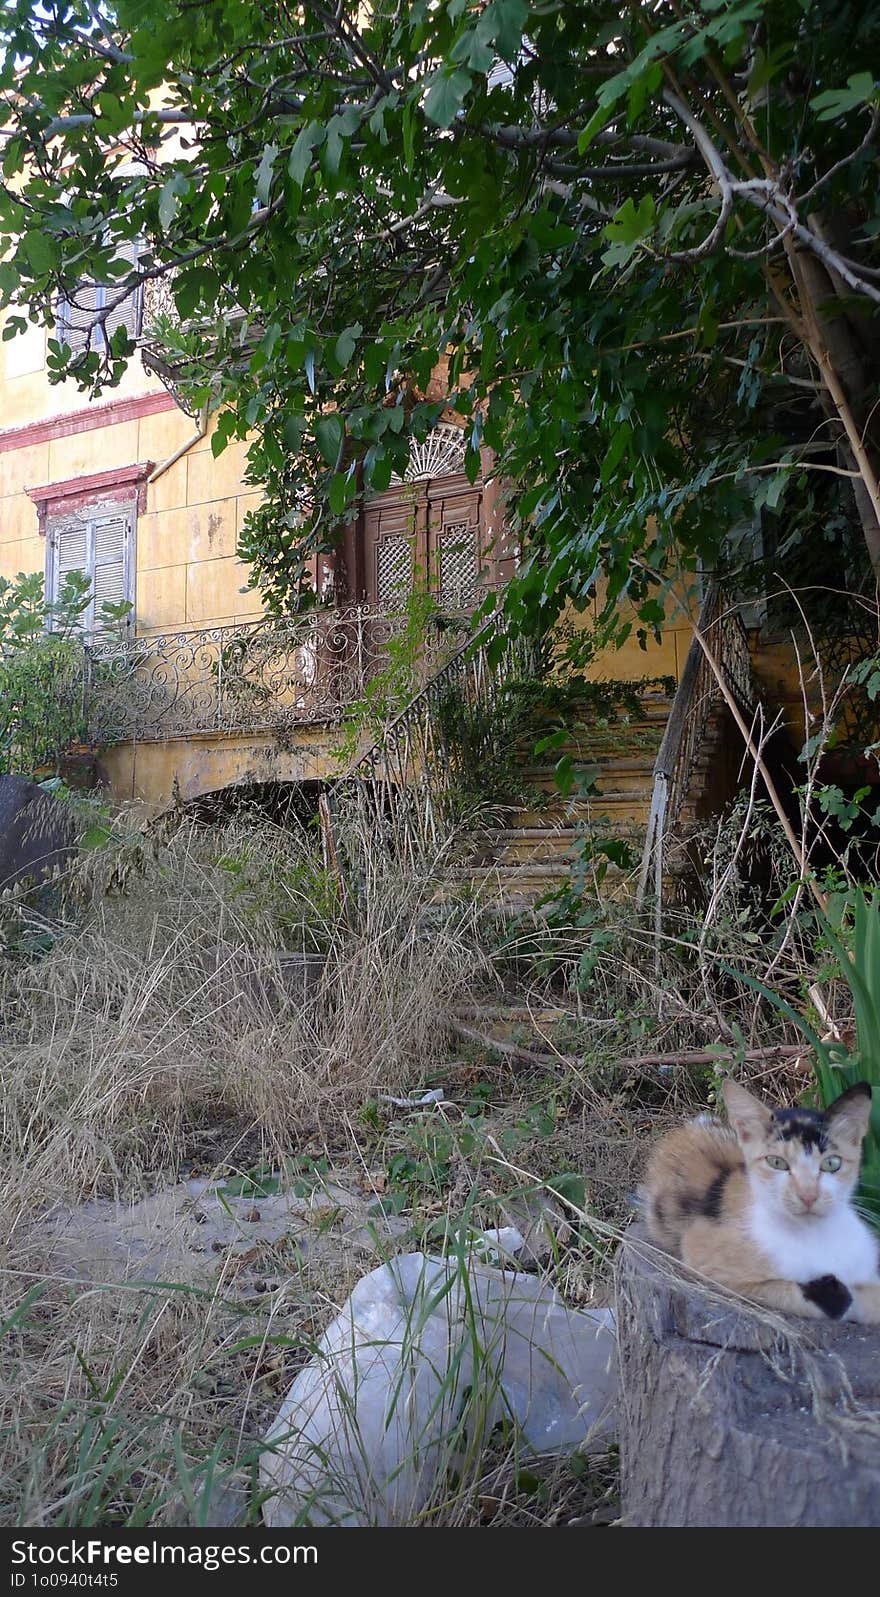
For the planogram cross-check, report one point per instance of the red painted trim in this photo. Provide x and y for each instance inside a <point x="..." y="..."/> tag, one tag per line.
<point x="102" y="487"/>
<point x="83" y="421"/>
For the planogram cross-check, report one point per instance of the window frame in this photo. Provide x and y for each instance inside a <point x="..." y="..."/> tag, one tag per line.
<point x="91" y="516"/>
<point x="94" y="337"/>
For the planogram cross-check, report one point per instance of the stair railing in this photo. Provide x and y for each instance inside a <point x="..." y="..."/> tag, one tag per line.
<point x="695" y="700"/>
<point x="407" y="784"/>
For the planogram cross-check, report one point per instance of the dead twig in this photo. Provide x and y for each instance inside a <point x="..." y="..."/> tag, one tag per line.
<point x="683" y="1058"/>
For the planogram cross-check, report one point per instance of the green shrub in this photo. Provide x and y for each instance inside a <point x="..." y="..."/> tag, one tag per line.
<point x="41" y="672"/>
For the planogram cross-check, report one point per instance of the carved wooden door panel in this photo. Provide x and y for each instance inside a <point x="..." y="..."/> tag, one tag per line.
<point x="394" y="545"/>
<point x="425" y="532"/>
<point x="454" y="542"/>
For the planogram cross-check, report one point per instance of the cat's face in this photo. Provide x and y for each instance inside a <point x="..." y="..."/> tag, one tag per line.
<point x="801" y="1163"/>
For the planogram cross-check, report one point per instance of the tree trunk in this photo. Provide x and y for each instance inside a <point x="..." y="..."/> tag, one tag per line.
<point x="725" y="1421"/>
<point x="849" y="396"/>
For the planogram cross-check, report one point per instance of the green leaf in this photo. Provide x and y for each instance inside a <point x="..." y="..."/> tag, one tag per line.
<point x="263" y="180"/>
<point x="446" y="96"/>
<point x="340" y="128"/>
<point x="564" y="775"/>
<point x="342" y="488"/>
<point x="113" y="111"/>
<point x="380" y="469"/>
<point x="170" y="196"/>
<point x="507" y="19"/>
<point x="861" y="89"/>
<point x="597" y="122"/>
<point x="617" y="449"/>
<point x="631" y="224"/>
<point x="329" y="434"/>
<point x="569" y="1186"/>
<point x="308" y="140"/>
<point x="346" y="344"/>
<point x="766" y="67"/>
<point x="41" y="252"/>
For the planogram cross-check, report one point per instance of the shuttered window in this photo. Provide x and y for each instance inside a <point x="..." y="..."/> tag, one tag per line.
<point x="75" y="313"/>
<point x="100" y="544"/>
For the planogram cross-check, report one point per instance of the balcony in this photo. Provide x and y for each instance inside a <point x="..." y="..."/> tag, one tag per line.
<point x="263" y="676"/>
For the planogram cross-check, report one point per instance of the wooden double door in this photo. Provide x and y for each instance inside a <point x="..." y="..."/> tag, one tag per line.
<point x="428" y="532"/>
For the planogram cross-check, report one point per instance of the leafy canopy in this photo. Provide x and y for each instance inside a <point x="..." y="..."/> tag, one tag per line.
<point x="607" y="236"/>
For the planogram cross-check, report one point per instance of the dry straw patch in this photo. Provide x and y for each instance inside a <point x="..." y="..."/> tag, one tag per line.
<point x="121" y="1043"/>
<point x="160" y="1006"/>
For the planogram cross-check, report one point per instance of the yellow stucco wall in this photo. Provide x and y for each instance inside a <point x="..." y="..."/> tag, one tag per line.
<point x="147" y="773"/>
<point x="660" y="657"/>
<point x="187" y="571"/>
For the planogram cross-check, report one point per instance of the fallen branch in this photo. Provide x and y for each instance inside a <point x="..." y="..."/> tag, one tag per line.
<point x="709" y="1056"/>
<point x="511" y="1050"/>
<point x="683" y="1059"/>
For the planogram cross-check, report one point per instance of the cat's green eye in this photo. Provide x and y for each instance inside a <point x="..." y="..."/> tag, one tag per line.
<point x="776" y="1163"/>
<point x="832" y="1163"/>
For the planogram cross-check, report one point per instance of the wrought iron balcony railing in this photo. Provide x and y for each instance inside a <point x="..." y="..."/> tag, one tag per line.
<point x="264" y="675"/>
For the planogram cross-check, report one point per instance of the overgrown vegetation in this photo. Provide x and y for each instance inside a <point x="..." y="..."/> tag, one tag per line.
<point x="44" y="674"/>
<point x="161" y="1037"/>
<point x="420" y="636"/>
<point x="631" y="249"/>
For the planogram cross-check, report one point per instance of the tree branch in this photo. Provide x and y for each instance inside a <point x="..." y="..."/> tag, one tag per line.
<point x="767" y="196"/>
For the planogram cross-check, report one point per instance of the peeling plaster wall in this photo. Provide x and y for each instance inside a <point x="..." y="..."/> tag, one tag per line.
<point x="146" y="772"/>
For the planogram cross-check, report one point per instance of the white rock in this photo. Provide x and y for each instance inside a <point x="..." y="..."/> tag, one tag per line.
<point x="371" y="1423"/>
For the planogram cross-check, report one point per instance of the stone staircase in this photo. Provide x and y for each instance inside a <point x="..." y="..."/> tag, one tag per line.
<point x="527" y="849"/>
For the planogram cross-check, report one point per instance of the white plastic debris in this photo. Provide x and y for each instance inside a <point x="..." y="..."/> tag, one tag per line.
<point x="429" y="1100"/>
<point x="499" y="1244"/>
<point x="425" y="1358"/>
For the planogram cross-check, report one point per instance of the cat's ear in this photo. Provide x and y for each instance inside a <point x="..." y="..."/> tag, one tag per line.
<point x="850" y="1114"/>
<point x="747" y="1115"/>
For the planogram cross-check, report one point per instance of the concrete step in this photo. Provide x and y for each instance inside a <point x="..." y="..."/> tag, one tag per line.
<point x="652" y="708"/>
<point x="596" y="800"/>
<point x="556" y="849"/>
<point x="604" y="786"/>
<point x="520" y="885"/>
<point x="562" y="834"/>
<point x="595" y="743"/>
<point x="627" y="762"/>
<point x="529" y="850"/>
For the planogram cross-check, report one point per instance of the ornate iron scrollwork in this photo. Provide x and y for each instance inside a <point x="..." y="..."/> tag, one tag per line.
<point x="258" y="676"/>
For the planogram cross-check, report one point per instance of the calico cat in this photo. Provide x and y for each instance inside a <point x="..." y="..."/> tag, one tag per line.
<point x="765" y="1207"/>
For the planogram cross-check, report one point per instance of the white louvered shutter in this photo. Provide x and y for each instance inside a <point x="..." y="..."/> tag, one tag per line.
<point x="70" y="552"/>
<point x="111" y="562"/>
<point x="75" y="317"/>
<point x="128" y="314"/>
<point x="101" y="546"/>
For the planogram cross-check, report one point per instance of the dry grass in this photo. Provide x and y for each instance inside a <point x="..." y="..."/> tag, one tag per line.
<point x="157" y="1034"/>
<point x="157" y="1013"/>
<point x="166" y="1004"/>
